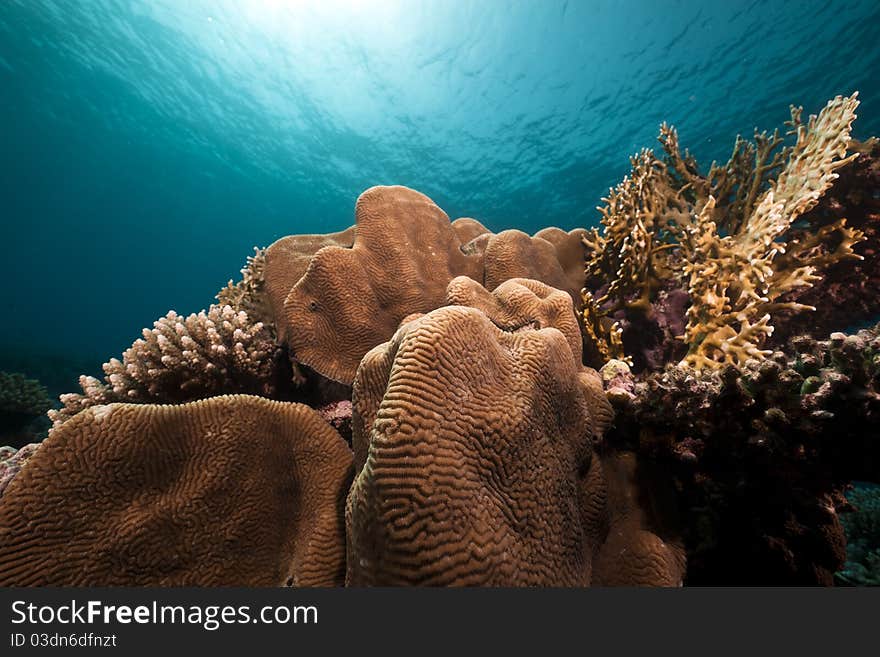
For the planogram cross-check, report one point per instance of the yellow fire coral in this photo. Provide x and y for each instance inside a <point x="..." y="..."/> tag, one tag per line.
<point x="725" y="236"/>
<point x="630" y="251"/>
<point x="602" y="339"/>
<point x="735" y="281"/>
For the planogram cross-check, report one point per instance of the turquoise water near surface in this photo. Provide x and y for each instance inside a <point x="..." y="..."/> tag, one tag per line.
<point x="148" y="146"/>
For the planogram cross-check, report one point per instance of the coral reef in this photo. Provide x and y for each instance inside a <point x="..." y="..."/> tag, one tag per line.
<point x="474" y="432"/>
<point x="760" y="455"/>
<point x="602" y="338"/>
<point x="234" y="490"/>
<point x="22" y="402"/>
<point x="453" y="429"/>
<point x="186" y="358"/>
<point x="12" y="461"/>
<point x="249" y="294"/>
<point x="334" y="304"/>
<point x="862" y="526"/>
<point x="849" y="292"/>
<point x="728" y="238"/>
<point x="630" y="256"/>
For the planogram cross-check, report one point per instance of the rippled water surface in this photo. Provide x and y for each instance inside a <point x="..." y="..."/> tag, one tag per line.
<point x="147" y="146"/>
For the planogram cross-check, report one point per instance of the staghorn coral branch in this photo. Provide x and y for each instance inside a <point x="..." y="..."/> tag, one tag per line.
<point x="638" y="219"/>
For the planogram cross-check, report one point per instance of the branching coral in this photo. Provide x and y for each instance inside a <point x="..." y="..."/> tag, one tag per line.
<point x="736" y="280"/>
<point x="630" y="254"/>
<point x="728" y="238"/>
<point x="737" y="184"/>
<point x="250" y="294"/>
<point x="452" y="359"/>
<point x="185" y="358"/>
<point x="602" y="337"/>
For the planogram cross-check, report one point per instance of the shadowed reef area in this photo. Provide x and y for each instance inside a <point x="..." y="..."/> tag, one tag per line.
<point x="679" y="396"/>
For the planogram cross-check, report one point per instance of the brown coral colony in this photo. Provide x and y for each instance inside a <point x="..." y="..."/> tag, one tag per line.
<point x="419" y="401"/>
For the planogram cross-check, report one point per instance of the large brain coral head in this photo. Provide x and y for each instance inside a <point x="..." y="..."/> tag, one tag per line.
<point x="475" y="443"/>
<point x="232" y="490"/>
<point x="349" y="300"/>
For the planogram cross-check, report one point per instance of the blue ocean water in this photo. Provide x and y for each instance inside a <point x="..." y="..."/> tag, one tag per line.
<point x="147" y="146"/>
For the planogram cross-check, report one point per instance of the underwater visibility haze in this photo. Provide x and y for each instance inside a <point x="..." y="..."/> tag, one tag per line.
<point x="148" y="145"/>
<point x="520" y="266"/>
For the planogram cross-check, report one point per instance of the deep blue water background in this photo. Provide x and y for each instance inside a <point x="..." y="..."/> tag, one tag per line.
<point x="147" y="146"/>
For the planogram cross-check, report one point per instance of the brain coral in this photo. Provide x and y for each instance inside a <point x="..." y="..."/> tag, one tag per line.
<point x="288" y="259"/>
<point x="232" y="490"/>
<point x="557" y="261"/>
<point x="518" y="303"/>
<point x="474" y="434"/>
<point x="351" y="299"/>
<point x="469" y="229"/>
<point x="335" y="303"/>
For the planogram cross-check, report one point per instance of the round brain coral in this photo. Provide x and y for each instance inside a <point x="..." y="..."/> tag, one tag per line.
<point x="474" y="461"/>
<point x="232" y="490"/>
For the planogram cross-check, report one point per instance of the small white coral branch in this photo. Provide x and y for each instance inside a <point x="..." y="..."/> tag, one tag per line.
<point x="212" y="352"/>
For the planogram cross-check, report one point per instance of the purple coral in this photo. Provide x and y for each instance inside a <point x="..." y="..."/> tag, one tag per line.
<point x="338" y="415"/>
<point x="761" y="455"/>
